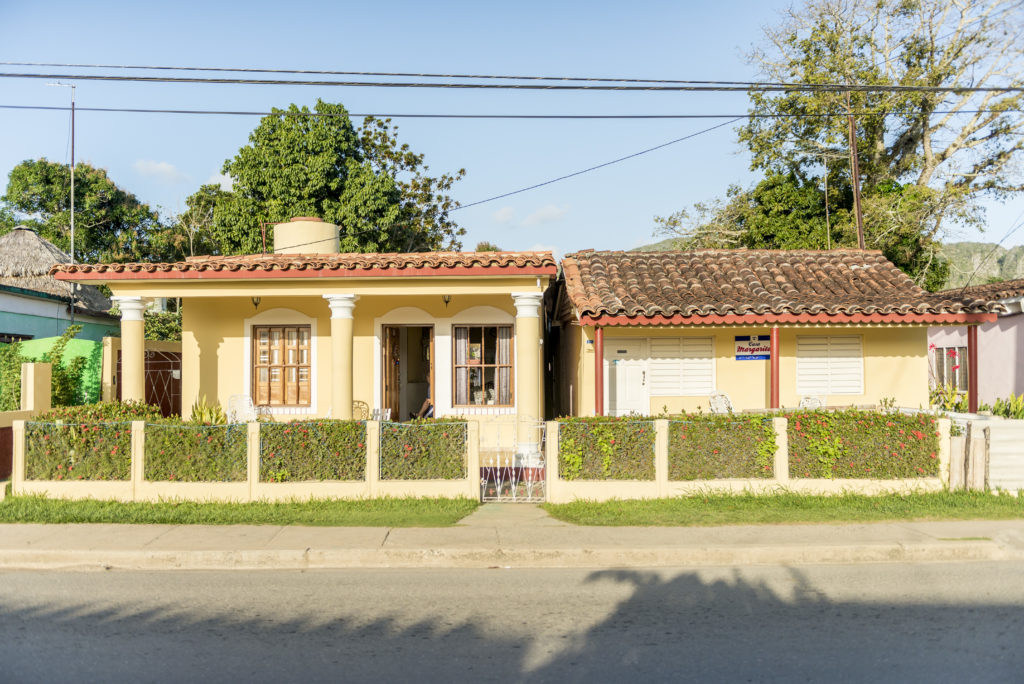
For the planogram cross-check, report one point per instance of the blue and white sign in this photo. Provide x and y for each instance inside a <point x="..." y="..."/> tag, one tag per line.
<point x="753" y="347"/>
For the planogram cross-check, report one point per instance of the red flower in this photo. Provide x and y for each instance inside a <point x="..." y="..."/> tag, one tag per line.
<point x="889" y="423"/>
<point x="901" y="432"/>
<point x="951" y="353"/>
<point x="60" y="466"/>
<point x="956" y="367"/>
<point x="360" y="445"/>
<point x="714" y="451"/>
<point x="931" y="455"/>
<point x="60" y="477"/>
<point x="918" y="434"/>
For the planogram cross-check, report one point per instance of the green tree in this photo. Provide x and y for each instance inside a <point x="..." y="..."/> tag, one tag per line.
<point x="927" y="159"/>
<point x="373" y="188"/>
<point x="192" y="231"/>
<point x="111" y="224"/>
<point x="486" y="246"/>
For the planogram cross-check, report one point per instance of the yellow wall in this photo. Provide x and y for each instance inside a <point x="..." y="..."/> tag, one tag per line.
<point x="895" y="365"/>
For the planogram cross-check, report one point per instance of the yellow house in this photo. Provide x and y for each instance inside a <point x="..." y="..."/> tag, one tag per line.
<point x="647" y="332"/>
<point x="307" y="332"/>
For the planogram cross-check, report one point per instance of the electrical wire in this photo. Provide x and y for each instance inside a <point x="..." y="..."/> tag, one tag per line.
<point x="136" y="110"/>
<point x="798" y="87"/>
<point x="1015" y="226"/>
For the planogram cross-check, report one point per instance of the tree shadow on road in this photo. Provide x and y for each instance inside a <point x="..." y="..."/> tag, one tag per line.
<point x="669" y="625"/>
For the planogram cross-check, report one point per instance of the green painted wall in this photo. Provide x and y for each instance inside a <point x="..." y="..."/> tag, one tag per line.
<point x="90" y="349"/>
<point x="43" y="326"/>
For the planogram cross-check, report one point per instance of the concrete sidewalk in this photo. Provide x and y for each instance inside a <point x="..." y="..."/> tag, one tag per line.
<point x="499" y="535"/>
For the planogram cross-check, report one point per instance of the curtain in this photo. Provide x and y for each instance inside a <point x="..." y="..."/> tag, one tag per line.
<point x="504" y="371"/>
<point x="461" y="372"/>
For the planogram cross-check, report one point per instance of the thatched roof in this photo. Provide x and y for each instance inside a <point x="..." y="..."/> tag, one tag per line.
<point x="25" y="262"/>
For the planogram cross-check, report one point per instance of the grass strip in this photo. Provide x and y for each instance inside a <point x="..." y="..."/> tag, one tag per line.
<point x="383" y="512"/>
<point x="783" y="508"/>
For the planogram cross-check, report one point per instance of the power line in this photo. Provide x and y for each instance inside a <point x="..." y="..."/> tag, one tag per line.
<point x="407" y="115"/>
<point x="1015" y="226"/>
<point x="599" y="166"/>
<point x="760" y="87"/>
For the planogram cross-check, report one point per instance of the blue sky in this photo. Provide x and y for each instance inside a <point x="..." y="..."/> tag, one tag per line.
<point x="164" y="158"/>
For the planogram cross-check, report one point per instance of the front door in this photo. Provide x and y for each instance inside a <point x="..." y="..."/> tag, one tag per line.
<point x="392" y="367"/>
<point x="625" y="372"/>
<point x="408" y="370"/>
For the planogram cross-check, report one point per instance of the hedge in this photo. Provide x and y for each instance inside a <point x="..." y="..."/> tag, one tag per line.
<point x="862" y="444"/>
<point x="77" y="451"/>
<point x="425" y="449"/>
<point x="606" y="448"/>
<point x="183" y="452"/>
<point x="313" y="451"/>
<point x="710" y="447"/>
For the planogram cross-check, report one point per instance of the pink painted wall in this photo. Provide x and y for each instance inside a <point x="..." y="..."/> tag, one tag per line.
<point x="1000" y="354"/>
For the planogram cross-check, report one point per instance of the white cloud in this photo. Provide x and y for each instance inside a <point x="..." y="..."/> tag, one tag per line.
<point x="545" y="214"/>
<point x="504" y="215"/>
<point x="164" y="172"/>
<point x="225" y="181"/>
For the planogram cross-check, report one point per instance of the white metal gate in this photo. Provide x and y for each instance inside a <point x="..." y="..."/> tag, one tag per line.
<point x="512" y="464"/>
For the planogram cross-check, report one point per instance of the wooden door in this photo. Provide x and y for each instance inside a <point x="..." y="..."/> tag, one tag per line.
<point x="392" y="365"/>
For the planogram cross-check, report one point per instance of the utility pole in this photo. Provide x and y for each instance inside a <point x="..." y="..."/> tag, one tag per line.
<point x="855" y="173"/>
<point x="73" y="285"/>
<point x="828" y="224"/>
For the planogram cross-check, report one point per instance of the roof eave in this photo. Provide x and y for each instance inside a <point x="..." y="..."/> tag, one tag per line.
<point x="605" y="320"/>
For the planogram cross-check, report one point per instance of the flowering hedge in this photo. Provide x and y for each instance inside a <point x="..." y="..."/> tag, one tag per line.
<point x="184" y="452"/>
<point x="102" y="412"/>
<point x="313" y="450"/>
<point x="77" y="451"/>
<point x="605" y="448"/>
<point x="426" y="449"/>
<point x="709" y="447"/>
<point x="862" y="444"/>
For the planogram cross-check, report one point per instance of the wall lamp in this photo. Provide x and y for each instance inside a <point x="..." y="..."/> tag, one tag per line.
<point x="446" y="299"/>
<point x="255" y="302"/>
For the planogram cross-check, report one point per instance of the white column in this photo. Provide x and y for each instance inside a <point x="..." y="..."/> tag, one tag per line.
<point x="133" y="348"/>
<point x="342" y="307"/>
<point x="528" y="373"/>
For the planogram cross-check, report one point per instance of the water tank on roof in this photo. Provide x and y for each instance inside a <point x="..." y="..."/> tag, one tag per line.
<point x="305" y="235"/>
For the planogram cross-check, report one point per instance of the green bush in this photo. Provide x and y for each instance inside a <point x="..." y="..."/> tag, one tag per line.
<point x="862" y="444"/>
<point x="183" y="452"/>
<point x="710" y="447"/>
<point x="605" y="448"/>
<point x="425" y="449"/>
<point x="76" y="451"/>
<point x="102" y="412"/>
<point x="313" y="451"/>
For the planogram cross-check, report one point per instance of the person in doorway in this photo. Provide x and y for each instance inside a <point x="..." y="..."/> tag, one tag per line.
<point x="426" y="410"/>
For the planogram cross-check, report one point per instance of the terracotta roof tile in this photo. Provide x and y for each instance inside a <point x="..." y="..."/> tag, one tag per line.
<point x="704" y="283"/>
<point x="281" y="264"/>
<point x="1007" y="289"/>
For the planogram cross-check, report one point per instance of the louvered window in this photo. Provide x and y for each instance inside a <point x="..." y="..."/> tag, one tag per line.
<point x="281" y="365"/>
<point x="951" y="367"/>
<point x="829" y="365"/>
<point x="681" y="367"/>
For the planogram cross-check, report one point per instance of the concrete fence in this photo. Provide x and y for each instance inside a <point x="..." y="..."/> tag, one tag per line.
<point x="35" y="399"/>
<point x="138" y="488"/>
<point x="565" y="491"/>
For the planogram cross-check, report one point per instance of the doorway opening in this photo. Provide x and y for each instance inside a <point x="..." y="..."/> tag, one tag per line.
<point x="408" y="369"/>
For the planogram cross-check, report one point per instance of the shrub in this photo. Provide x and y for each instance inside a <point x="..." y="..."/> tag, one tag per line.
<point x="862" y="444"/>
<point x="425" y="449"/>
<point x="709" y="447"/>
<point x="102" y="412"/>
<point x="605" y="448"/>
<point x="77" y="451"/>
<point x="313" y="451"/>
<point x="183" y="452"/>
<point x="11" y="359"/>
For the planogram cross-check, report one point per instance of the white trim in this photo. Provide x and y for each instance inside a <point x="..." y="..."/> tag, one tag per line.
<point x="131" y="307"/>
<point x="527" y="304"/>
<point x="282" y="316"/>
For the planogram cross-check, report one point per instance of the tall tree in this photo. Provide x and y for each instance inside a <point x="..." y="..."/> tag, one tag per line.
<point x="298" y="164"/>
<point x="192" y="231"/>
<point x="927" y="158"/>
<point x="111" y="224"/>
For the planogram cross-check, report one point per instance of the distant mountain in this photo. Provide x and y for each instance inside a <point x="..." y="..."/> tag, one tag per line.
<point x="984" y="260"/>
<point x="980" y="262"/>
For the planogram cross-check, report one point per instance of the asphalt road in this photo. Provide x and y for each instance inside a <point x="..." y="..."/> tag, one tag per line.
<point x="953" y="622"/>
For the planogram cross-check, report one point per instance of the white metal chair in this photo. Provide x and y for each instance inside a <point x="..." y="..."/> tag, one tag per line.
<point x="241" y="409"/>
<point x="720" y="403"/>
<point x="810" y="402"/>
<point x="382" y="414"/>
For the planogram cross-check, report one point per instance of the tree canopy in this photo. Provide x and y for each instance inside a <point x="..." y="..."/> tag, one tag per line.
<point x="302" y="163"/>
<point x="927" y="158"/>
<point x="111" y="224"/>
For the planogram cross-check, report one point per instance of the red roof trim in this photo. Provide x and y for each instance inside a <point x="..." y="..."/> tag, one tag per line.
<point x="741" y="319"/>
<point x="278" y="273"/>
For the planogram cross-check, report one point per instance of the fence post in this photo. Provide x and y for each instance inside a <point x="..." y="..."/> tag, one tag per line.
<point x="551" y="461"/>
<point x="252" y="457"/>
<point x="138" y="467"/>
<point x="18" y="469"/>
<point x="781" y="465"/>
<point x="942" y="426"/>
<point x="35" y="387"/>
<point x="372" y="457"/>
<point x="661" y="456"/>
<point x="473" y="459"/>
